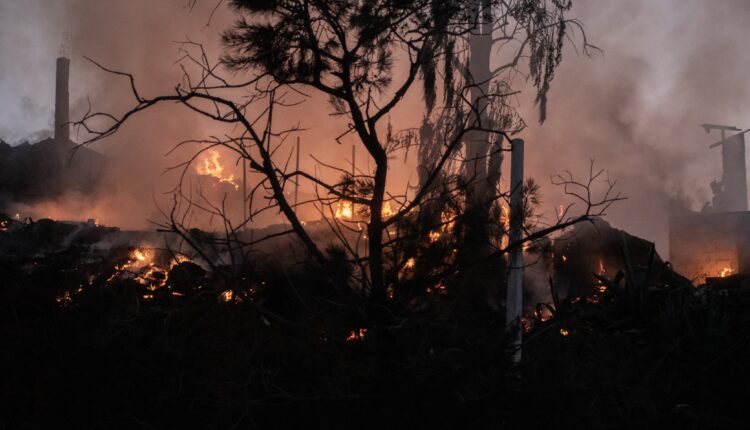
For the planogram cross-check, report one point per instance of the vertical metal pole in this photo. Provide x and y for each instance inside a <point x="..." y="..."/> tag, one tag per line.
<point x="514" y="297"/>
<point x="245" y="203"/>
<point x="296" y="185"/>
<point x="354" y="158"/>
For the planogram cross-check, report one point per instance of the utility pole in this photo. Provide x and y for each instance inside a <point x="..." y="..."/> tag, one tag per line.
<point x="514" y="294"/>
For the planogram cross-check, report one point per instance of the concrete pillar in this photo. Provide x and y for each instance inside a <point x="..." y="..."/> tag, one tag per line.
<point x="514" y="295"/>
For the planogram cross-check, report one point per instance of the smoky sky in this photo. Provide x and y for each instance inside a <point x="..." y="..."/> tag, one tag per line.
<point x="666" y="66"/>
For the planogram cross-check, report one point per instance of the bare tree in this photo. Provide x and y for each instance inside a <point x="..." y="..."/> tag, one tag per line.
<point x="345" y="50"/>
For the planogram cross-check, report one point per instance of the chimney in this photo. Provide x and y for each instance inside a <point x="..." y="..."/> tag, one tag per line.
<point x="62" y="101"/>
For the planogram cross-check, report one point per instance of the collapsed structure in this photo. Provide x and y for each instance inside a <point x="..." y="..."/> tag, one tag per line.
<point x="46" y="169"/>
<point x="712" y="243"/>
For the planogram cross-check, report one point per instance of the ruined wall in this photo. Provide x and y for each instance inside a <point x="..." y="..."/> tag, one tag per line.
<point x="710" y="245"/>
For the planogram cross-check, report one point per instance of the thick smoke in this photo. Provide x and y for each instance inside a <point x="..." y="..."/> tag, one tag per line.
<point x="667" y="66"/>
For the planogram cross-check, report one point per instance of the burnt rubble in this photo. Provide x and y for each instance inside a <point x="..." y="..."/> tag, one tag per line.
<point x="47" y="169"/>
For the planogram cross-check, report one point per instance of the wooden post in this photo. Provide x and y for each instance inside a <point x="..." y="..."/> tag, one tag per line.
<point x="514" y="297"/>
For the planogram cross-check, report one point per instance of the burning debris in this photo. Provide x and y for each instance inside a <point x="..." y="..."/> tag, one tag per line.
<point x="711" y="243"/>
<point x="591" y="251"/>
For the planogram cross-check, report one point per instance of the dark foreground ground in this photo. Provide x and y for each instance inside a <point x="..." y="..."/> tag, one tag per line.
<point x="86" y="343"/>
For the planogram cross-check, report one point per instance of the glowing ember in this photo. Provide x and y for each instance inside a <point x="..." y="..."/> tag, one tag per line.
<point x="564" y="332"/>
<point x="356" y="335"/>
<point x="726" y="272"/>
<point x="212" y="166"/>
<point x="448" y="220"/>
<point x="438" y="289"/>
<point x="434" y="236"/>
<point x="526" y="324"/>
<point x="565" y="258"/>
<point x="64" y="299"/>
<point x="410" y="263"/>
<point x="226" y="296"/>
<point x="344" y="210"/>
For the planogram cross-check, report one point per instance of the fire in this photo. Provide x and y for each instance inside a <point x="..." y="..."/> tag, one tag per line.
<point x="526" y="324"/>
<point x="602" y="269"/>
<point x="726" y="272"/>
<point x="438" y="289"/>
<point x="565" y="258"/>
<point x="448" y="221"/>
<point x="226" y="296"/>
<point x="410" y="263"/>
<point x="139" y="255"/>
<point x="564" y="332"/>
<point x="179" y="259"/>
<point x="344" y="210"/>
<point x="212" y="167"/>
<point x="505" y="217"/>
<point x="64" y="299"/>
<point x="387" y="211"/>
<point x="356" y="335"/>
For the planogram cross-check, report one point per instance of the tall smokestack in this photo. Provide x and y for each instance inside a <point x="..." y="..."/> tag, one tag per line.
<point x="62" y="101"/>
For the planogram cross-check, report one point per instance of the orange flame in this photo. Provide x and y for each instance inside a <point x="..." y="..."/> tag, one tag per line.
<point x="356" y="335"/>
<point x="387" y="211"/>
<point x="344" y="210"/>
<point x="505" y="217"/>
<point x="726" y="272"/>
<point x="212" y="167"/>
